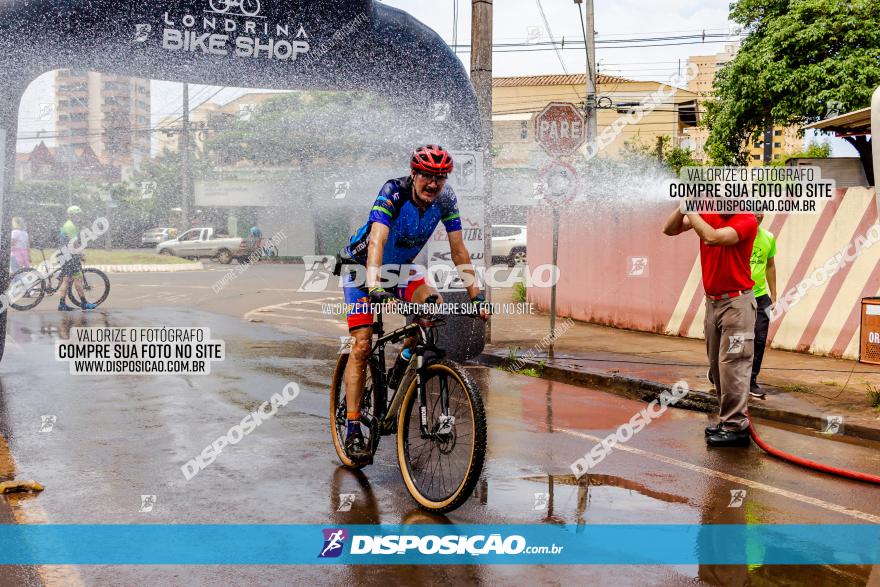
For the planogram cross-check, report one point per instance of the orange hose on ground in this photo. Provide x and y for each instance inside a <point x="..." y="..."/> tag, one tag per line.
<point x="811" y="464"/>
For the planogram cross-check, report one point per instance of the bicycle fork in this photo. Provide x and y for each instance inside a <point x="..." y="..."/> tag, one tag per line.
<point x="445" y="421"/>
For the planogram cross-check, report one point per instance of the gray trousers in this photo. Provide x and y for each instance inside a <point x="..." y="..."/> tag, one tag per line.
<point x="730" y="346"/>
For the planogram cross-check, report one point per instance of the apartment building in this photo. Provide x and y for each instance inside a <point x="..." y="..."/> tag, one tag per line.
<point x="108" y="113"/>
<point x="772" y="145"/>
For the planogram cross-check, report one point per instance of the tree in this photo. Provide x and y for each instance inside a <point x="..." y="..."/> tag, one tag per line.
<point x="162" y="176"/>
<point x="304" y="127"/>
<point x="800" y="61"/>
<point x="813" y="151"/>
<point x="340" y="130"/>
<point x="673" y="157"/>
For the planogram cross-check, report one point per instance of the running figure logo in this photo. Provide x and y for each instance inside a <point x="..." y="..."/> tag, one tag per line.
<point x="541" y="501"/>
<point x="48" y="421"/>
<point x="319" y="269"/>
<point x="147" y="503"/>
<point x="638" y="266"/>
<point x="346" y="500"/>
<point x="737" y="497"/>
<point x="833" y="425"/>
<point x="737" y="343"/>
<point x="334" y="540"/>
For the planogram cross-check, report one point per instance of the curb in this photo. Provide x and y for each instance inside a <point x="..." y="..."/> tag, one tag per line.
<point x="647" y="391"/>
<point x="169" y="268"/>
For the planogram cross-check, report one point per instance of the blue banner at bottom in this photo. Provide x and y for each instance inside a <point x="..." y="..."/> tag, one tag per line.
<point x="521" y="544"/>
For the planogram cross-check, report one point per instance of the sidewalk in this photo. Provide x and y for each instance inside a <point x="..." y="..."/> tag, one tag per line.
<point x="801" y="389"/>
<point x="141" y="268"/>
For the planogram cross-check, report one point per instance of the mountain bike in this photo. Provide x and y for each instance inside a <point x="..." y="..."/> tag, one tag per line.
<point x="436" y="411"/>
<point x="35" y="284"/>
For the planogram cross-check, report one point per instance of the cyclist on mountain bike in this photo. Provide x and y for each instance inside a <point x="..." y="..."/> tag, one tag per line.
<point x="71" y="270"/>
<point x="401" y="221"/>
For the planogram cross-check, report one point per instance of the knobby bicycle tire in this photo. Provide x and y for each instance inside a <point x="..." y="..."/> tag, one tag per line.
<point x="35" y="292"/>
<point x="337" y="394"/>
<point x="92" y="278"/>
<point x="409" y="410"/>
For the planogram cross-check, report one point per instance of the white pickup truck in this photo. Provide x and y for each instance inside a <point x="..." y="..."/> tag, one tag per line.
<point x="208" y="242"/>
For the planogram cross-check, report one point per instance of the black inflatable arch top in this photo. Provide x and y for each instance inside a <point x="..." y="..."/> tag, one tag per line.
<point x="278" y="44"/>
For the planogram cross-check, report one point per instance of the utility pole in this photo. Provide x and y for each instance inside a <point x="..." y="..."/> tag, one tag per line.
<point x="590" y="42"/>
<point x="184" y="160"/>
<point x="481" y="78"/>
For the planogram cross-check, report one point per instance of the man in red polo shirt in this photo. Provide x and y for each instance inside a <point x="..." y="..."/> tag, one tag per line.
<point x="725" y="251"/>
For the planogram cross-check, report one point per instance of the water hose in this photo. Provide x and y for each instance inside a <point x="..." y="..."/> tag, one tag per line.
<point x="811" y="464"/>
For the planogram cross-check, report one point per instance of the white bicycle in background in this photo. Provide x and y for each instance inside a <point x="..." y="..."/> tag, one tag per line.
<point x="248" y="7"/>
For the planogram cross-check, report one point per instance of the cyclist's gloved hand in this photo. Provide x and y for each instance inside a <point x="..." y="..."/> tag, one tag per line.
<point x="481" y="306"/>
<point x="378" y="295"/>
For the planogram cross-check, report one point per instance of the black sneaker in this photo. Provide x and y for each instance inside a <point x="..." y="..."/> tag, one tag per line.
<point x="710" y="430"/>
<point x="357" y="450"/>
<point x="727" y="438"/>
<point x="755" y="391"/>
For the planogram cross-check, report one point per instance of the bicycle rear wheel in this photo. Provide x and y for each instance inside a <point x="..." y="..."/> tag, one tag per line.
<point x="96" y="288"/>
<point x="338" y="407"/>
<point x="440" y="472"/>
<point x="27" y="284"/>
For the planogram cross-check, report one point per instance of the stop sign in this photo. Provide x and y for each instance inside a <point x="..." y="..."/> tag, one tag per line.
<point x="559" y="128"/>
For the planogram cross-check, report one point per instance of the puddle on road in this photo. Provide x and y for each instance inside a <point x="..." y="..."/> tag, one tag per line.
<point x="565" y="499"/>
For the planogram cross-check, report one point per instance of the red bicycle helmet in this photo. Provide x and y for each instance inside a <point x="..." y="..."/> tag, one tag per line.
<point x="432" y="159"/>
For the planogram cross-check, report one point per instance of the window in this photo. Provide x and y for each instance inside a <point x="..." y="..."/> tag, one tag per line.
<point x="524" y="130"/>
<point x="757" y="144"/>
<point x="505" y="231"/>
<point x="777" y="133"/>
<point x="776" y="156"/>
<point x="756" y="157"/>
<point x="777" y="145"/>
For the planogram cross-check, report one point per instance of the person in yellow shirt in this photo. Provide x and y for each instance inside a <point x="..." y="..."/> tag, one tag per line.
<point x="764" y="275"/>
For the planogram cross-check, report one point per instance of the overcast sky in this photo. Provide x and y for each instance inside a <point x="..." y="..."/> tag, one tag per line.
<point x="515" y="21"/>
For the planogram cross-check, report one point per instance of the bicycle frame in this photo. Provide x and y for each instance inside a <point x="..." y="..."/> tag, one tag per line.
<point x="386" y="409"/>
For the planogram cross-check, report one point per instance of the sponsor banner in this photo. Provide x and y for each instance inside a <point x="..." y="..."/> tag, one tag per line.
<point x="437" y="544"/>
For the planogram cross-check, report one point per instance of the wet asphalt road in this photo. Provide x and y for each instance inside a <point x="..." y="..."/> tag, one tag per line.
<point x="116" y="438"/>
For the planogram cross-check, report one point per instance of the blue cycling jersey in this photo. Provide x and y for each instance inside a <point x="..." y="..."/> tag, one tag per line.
<point x="410" y="227"/>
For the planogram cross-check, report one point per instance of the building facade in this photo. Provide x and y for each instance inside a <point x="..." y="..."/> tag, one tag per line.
<point x="517" y="100"/>
<point x="110" y="114"/>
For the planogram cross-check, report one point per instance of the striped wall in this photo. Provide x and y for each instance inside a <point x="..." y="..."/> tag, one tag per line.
<point x="598" y="284"/>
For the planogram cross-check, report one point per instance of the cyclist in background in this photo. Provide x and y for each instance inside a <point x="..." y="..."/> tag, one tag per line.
<point x="71" y="270"/>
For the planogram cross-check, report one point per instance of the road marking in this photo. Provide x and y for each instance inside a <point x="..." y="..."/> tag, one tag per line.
<point x="833" y="507"/>
<point x="159" y="285"/>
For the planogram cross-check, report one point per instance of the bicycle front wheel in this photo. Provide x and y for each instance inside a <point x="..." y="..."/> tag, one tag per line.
<point x="27" y="284"/>
<point x="440" y="471"/>
<point x="96" y="288"/>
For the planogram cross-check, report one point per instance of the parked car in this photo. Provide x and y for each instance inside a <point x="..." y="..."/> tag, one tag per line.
<point x="208" y="242"/>
<point x="509" y="243"/>
<point x="154" y="236"/>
